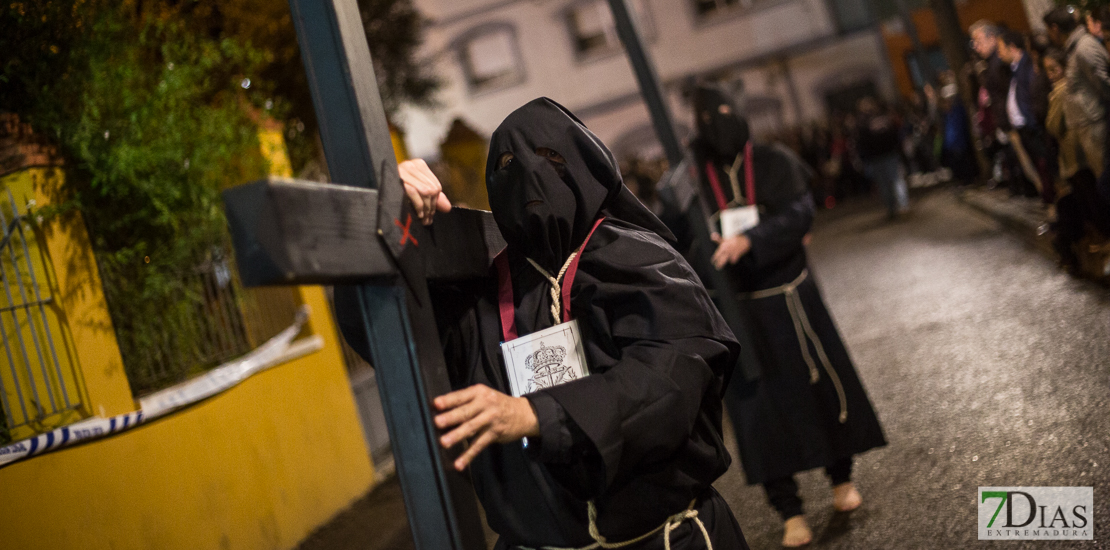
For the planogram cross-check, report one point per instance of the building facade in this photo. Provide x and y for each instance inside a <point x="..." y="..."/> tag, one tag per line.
<point x="790" y="62"/>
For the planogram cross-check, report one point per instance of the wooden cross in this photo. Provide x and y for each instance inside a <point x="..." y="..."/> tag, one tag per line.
<point x="289" y="232"/>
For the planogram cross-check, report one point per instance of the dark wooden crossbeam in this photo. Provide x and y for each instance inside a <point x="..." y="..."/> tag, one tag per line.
<point x="299" y="232"/>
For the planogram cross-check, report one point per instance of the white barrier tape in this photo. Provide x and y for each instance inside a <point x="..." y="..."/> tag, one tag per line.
<point x="223" y="377"/>
<point x="276" y="350"/>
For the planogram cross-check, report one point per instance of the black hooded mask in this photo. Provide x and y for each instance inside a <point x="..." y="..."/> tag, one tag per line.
<point x="720" y="126"/>
<point x="545" y="210"/>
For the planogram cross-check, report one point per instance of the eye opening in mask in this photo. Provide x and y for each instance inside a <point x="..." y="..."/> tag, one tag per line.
<point x="552" y="156"/>
<point x="556" y="160"/>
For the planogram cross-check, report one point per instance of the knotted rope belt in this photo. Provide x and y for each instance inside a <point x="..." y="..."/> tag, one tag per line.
<point x="667" y="526"/>
<point x="804" y="331"/>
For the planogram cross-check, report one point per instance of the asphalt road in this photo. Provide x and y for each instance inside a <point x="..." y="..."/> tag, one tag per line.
<point x="987" y="366"/>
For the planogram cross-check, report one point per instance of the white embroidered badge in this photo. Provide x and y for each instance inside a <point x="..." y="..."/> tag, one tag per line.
<point x="545" y="359"/>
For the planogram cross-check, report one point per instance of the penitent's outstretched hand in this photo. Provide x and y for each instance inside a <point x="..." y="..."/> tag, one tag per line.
<point x="730" y="250"/>
<point x="483" y="415"/>
<point x="423" y="189"/>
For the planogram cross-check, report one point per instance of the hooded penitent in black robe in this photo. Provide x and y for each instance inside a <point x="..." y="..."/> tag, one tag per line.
<point x="802" y="408"/>
<point x="641" y="435"/>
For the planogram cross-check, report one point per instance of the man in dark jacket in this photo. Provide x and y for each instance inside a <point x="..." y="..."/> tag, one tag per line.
<point x="1026" y="104"/>
<point x="996" y="77"/>
<point x="995" y="80"/>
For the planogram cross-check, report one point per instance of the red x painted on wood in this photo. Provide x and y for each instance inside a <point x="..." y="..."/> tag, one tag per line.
<point x="406" y="236"/>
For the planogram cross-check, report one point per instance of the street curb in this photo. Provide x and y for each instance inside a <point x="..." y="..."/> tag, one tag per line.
<point x="1028" y="219"/>
<point x="1022" y="217"/>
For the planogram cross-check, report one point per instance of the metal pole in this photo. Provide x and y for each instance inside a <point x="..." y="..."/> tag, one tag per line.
<point x="648" y="80"/>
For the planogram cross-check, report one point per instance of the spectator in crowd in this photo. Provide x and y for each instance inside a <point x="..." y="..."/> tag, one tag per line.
<point x="1026" y="103"/>
<point x="843" y="164"/>
<point x="996" y="73"/>
<point x="921" y="130"/>
<point x="956" y="150"/>
<point x="1069" y="220"/>
<point x="983" y="122"/>
<point x="1087" y="83"/>
<point x="878" y="145"/>
<point x="995" y="81"/>
<point x="1077" y="203"/>
<point x="1094" y="24"/>
<point x="1103" y="16"/>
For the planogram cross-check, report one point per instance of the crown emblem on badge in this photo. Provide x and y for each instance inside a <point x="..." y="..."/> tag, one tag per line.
<point x="547" y="367"/>
<point x="545" y="356"/>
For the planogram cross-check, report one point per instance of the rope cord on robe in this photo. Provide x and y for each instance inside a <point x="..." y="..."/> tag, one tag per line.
<point x="560" y="293"/>
<point x="744" y="158"/>
<point x="672" y="522"/>
<point x="804" y="331"/>
<point x="556" y="290"/>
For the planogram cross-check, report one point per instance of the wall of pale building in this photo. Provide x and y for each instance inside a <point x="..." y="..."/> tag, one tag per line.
<point x="853" y="61"/>
<point x="602" y="88"/>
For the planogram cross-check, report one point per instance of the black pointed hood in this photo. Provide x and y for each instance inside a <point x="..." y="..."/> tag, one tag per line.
<point x="543" y="212"/>
<point x="721" y="129"/>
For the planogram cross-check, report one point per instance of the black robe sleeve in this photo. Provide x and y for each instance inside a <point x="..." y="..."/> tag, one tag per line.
<point x="779" y="235"/>
<point x="639" y="412"/>
<point x="561" y="441"/>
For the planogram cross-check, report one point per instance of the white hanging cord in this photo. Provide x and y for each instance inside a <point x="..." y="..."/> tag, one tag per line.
<point x="556" y="290"/>
<point x="734" y="179"/>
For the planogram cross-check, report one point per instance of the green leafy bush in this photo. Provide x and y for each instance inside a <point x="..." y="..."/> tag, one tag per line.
<point x="152" y="119"/>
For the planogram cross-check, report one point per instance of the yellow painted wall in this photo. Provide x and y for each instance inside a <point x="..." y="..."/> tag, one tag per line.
<point x="257" y="467"/>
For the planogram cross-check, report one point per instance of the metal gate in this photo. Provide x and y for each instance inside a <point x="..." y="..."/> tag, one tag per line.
<point x="36" y="384"/>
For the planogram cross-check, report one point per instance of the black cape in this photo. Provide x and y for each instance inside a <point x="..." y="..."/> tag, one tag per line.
<point x="784" y="423"/>
<point x="640" y="436"/>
